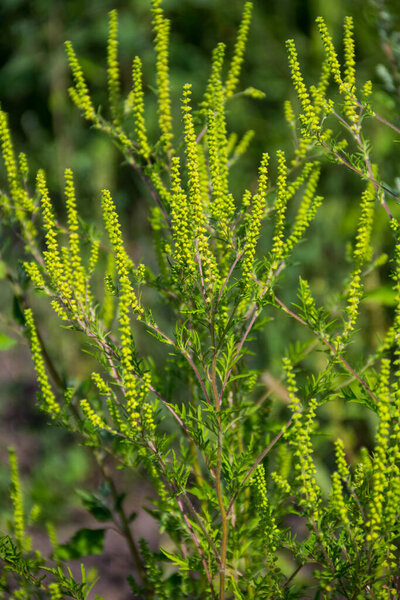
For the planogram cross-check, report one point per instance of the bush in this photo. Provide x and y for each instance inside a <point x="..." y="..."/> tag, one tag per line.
<point x="176" y="393"/>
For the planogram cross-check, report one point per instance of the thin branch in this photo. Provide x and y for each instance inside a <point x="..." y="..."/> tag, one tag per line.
<point x="256" y="463"/>
<point x="335" y="353"/>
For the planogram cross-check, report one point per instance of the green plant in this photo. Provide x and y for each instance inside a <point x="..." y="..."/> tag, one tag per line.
<point x="235" y="482"/>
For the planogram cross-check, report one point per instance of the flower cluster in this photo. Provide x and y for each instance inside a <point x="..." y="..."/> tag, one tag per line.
<point x="307" y="210"/>
<point x="161" y="28"/>
<point x="253" y="220"/>
<point x="206" y="258"/>
<point x="214" y="81"/>
<point x="309" y="118"/>
<point x="77" y="271"/>
<point x="362" y="254"/>
<point x="330" y="51"/>
<point x="350" y="106"/>
<point x="181" y="222"/>
<point x="382" y="464"/>
<point x="267" y="519"/>
<point x="79" y="93"/>
<point x="237" y="59"/>
<point x="113" y="67"/>
<point x="138" y="108"/>
<point x="300" y="440"/>
<point x="94" y="419"/>
<point x="280" y="209"/>
<point x="127" y="301"/>
<point x="23" y="205"/>
<point x="48" y="400"/>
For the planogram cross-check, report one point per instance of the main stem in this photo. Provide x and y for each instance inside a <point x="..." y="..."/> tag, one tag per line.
<point x="218" y="485"/>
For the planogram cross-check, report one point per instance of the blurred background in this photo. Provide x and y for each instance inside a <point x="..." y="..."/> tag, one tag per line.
<point x="34" y="81"/>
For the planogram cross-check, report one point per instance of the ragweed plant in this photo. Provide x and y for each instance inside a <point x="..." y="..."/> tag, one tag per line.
<point x="236" y="487"/>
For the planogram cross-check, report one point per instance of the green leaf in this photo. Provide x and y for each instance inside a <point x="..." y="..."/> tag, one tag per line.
<point x="6" y="342"/>
<point x="176" y="559"/>
<point x="95" y="506"/>
<point x="2" y="269"/>
<point x="83" y="543"/>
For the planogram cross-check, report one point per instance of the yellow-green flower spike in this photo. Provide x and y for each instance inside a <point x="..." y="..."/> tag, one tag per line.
<point x="241" y="147"/>
<point x="17" y="499"/>
<point x="218" y="171"/>
<point x="94" y="257"/>
<point x="330" y="52"/>
<point x="127" y="301"/>
<point x="203" y="175"/>
<point x="295" y="185"/>
<point x="303" y="145"/>
<point x="23" y="166"/>
<point x="34" y="274"/>
<point x="23" y="204"/>
<point x="113" y="67"/>
<point x="362" y="255"/>
<point x="254" y="218"/>
<point x="94" y="419"/>
<point x="80" y="94"/>
<point x="196" y="204"/>
<point x="122" y="260"/>
<point x="49" y="403"/>
<point x="214" y="80"/>
<point x="309" y="119"/>
<point x="147" y="410"/>
<point x="76" y="267"/>
<point x="289" y="113"/>
<point x="343" y="467"/>
<point x="310" y="493"/>
<point x="281" y="482"/>
<point x="384" y="460"/>
<point x="363" y="249"/>
<point x="280" y="207"/>
<point x="217" y="142"/>
<point x="338" y="499"/>
<point x="267" y="520"/>
<point x="115" y="414"/>
<point x="238" y="54"/>
<point x="101" y="385"/>
<point x="161" y="28"/>
<point x="367" y="90"/>
<point x="159" y="185"/>
<point x="307" y="209"/>
<point x="9" y="158"/>
<point x="321" y="104"/>
<point x="138" y="108"/>
<point x="350" y="106"/>
<point x="181" y="222"/>
<point x="52" y="257"/>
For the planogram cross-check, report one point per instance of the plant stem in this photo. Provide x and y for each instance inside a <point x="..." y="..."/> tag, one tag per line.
<point x="218" y="483"/>
<point x="124" y="525"/>
<point x="339" y="357"/>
